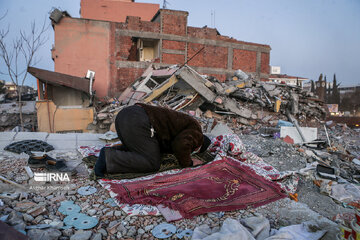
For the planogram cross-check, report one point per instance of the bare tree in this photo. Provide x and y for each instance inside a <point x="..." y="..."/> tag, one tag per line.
<point x="19" y="55"/>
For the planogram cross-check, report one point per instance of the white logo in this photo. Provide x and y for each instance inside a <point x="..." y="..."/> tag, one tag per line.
<point x="48" y="177"/>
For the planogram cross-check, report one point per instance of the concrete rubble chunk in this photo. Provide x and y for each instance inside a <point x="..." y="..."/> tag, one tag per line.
<point x="47" y="234"/>
<point x="36" y="211"/>
<point x="81" y="235"/>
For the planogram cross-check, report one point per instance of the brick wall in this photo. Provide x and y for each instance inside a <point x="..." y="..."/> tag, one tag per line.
<point x="125" y="76"/>
<point x="175" y="45"/>
<point x="210" y="56"/>
<point x="173" y="58"/>
<point x="174" y="22"/>
<point x="244" y="60"/>
<point x="265" y="61"/>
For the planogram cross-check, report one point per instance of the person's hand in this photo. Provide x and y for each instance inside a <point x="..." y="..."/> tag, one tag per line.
<point x="196" y="162"/>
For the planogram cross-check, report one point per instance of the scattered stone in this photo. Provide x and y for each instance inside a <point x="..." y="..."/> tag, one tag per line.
<point x="96" y="236"/>
<point x="27" y="217"/>
<point x="117" y="213"/>
<point x="81" y="235"/>
<point x="36" y="211"/>
<point x="39" y="234"/>
<point x="24" y="206"/>
<point x="57" y="224"/>
<point x="68" y="232"/>
<point x="91" y="212"/>
<point x="14" y="218"/>
<point x="103" y="232"/>
<point x="38" y="219"/>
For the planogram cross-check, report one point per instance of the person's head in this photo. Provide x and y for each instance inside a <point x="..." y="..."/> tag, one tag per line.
<point x="206" y="144"/>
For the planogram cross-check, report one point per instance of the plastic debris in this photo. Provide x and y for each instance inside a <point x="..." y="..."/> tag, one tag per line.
<point x="69" y="220"/>
<point x="164" y="230"/>
<point x="184" y="233"/>
<point x="88" y="190"/>
<point x="86" y="222"/>
<point x="69" y="208"/>
<point x="29" y="145"/>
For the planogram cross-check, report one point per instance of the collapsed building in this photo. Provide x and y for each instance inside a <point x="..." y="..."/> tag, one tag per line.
<point x="119" y="51"/>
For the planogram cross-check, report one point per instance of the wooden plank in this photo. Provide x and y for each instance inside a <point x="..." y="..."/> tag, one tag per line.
<point x="162" y="88"/>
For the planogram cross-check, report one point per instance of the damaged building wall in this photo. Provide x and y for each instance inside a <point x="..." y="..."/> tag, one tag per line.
<point x="53" y="119"/>
<point x="171" y="41"/>
<point x="118" y="10"/>
<point x="81" y="45"/>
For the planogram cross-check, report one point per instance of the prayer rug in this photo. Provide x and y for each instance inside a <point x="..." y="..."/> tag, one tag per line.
<point x="222" y="185"/>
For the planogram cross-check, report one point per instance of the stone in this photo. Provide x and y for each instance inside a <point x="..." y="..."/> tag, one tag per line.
<point x="38" y="199"/>
<point x="14" y="218"/>
<point x="141" y="231"/>
<point x="20" y="226"/>
<point x="68" y="232"/>
<point x="57" y="224"/>
<point x="27" y="217"/>
<point x="36" y="211"/>
<point x="38" y="219"/>
<point x="117" y="213"/>
<point x="103" y="232"/>
<point x="91" y="212"/>
<point x="24" y="206"/>
<point x="112" y="227"/>
<point x="109" y="214"/>
<point x="132" y="231"/>
<point x="96" y="236"/>
<point x="48" y="234"/>
<point x="83" y="235"/>
<point x="119" y="235"/>
<point x="149" y="228"/>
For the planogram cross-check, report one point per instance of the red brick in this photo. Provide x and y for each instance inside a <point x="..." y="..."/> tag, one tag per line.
<point x="173" y="58"/>
<point x="175" y="45"/>
<point x="265" y="61"/>
<point x="210" y="56"/>
<point x="244" y="60"/>
<point x="174" y="23"/>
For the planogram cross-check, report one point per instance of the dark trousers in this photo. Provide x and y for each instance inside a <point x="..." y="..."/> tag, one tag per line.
<point x="140" y="151"/>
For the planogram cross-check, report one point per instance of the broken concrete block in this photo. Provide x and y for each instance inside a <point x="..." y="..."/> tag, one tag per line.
<point x="310" y="134"/>
<point x="231" y="105"/>
<point x="221" y="129"/>
<point x="241" y="75"/>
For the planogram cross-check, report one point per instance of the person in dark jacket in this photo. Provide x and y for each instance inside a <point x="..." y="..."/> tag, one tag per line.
<point x="146" y="132"/>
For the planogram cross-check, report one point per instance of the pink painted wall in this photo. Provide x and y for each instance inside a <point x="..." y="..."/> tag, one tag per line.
<point x="117" y="10"/>
<point x="80" y="45"/>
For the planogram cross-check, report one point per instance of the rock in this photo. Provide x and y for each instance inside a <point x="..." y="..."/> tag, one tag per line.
<point x="36" y="211"/>
<point x="84" y="235"/>
<point x="103" y="232"/>
<point x="91" y="212"/>
<point x="38" y="199"/>
<point x="24" y="206"/>
<point x="149" y="228"/>
<point x="140" y="231"/>
<point x="48" y="234"/>
<point x="20" y="226"/>
<point x="27" y="217"/>
<point x="14" y="218"/>
<point x="68" y="232"/>
<point x="57" y="224"/>
<point x="112" y="227"/>
<point x="117" y="213"/>
<point x="38" y="219"/>
<point x="132" y="231"/>
<point x="96" y="236"/>
<point x="109" y="214"/>
<point x="119" y="235"/>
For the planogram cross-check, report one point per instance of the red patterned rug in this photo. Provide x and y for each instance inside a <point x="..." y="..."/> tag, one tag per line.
<point x="222" y="185"/>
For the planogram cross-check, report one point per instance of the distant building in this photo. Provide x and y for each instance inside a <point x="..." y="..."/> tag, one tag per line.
<point x="345" y="90"/>
<point x="277" y="77"/>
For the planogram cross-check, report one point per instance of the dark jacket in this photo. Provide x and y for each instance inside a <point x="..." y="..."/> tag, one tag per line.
<point x="177" y="133"/>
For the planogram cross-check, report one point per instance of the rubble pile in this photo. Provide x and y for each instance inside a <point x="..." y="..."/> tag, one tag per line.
<point x="241" y="100"/>
<point x="10" y="117"/>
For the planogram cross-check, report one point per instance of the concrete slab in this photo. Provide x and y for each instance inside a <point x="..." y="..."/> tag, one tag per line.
<point x="7" y="136"/>
<point x="88" y="136"/>
<point x="221" y="129"/>
<point x="310" y="134"/>
<point x="62" y="137"/>
<point x="4" y="143"/>
<point x="63" y="144"/>
<point x="31" y="135"/>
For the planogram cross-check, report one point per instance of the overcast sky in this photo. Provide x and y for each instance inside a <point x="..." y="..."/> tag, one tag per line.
<point x="307" y="37"/>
